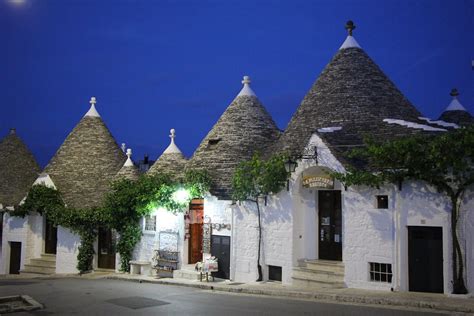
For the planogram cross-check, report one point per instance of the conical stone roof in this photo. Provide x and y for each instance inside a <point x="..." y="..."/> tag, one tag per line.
<point x="129" y="170"/>
<point x="244" y="128"/>
<point x="171" y="162"/>
<point x="456" y="112"/>
<point x="18" y="170"/>
<point x="352" y="97"/>
<point x="86" y="162"/>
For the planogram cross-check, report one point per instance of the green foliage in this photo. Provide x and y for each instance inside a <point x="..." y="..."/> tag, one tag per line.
<point x="444" y="161"/>
<point x="197" y="182"/>
<point x="48" y="202"/>
<point x="128" y="201"/>
<point x="259" y="178"/>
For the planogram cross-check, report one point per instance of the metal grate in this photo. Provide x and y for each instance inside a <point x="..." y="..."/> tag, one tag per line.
<point x="150" y="223"/>
<point x="380" y="272"/>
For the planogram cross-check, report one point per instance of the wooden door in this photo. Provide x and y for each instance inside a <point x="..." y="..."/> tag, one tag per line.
<point x="106" y="247"/>
<point x="196" y="209"/>
<point x="220" y="248"/>
<point x="15" y="257"/>
<point x="330" y="225"/>
<point x="195" y="243"/>
<point x="425" y="259"/>
<point x="50" y="238"/>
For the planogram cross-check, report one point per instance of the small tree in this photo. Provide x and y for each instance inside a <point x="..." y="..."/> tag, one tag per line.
<point x="255" y="179"/>
<point x="443" y="161"/>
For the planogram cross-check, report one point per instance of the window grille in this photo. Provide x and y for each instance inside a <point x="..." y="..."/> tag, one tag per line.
<point x="380" y="272"/>
<point x="150" y="223"/>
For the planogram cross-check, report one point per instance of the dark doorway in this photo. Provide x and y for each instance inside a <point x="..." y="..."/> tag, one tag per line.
<point x="50" y="238"/>
<point x="330" y="225"/>
<point x="15" y="257"/>
<point x="425" y="259"/>
<point x="220" y="248"/>
<point x="195" y="231"/>
<point x="274" y="273"/>
<point x="106" y="249"/>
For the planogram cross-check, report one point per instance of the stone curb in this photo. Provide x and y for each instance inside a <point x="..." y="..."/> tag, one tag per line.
<point x="319" y="296"/>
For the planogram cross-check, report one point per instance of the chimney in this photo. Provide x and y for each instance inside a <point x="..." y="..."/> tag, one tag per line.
<point x="145" y="159"/>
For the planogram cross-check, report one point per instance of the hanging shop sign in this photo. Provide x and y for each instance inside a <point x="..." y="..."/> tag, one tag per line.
<point x="317" y="178"/>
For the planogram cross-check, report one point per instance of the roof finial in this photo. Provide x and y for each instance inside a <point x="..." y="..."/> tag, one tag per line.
<point x="246" y="90"/>
<point x="92" y="111"/>
<point x="172" y="148"/>
<point x="454" y="92"/>
<point x="129" y="162"/>
<point x="350" y="26"/>
<point x="12" y="131"/>
<point x="172" y="134"/>
<point x="246" y="80"/>
<point x="123" y="147"/>
<point x="93" y="101"/>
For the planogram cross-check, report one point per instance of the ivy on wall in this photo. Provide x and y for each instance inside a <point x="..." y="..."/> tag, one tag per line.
<point x="125" y="204"/>
<point x="445" y="161"/>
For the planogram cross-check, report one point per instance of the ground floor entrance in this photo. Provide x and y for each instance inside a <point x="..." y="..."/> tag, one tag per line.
<point x="425" y="259"/>
<point x="50" y="237"/>
<point x="106" y="246"/>
<point x="196" y="213"/>
<point x="330" y="225"/>
<point x="15" y="257"/>
<point x="220" y="248"/>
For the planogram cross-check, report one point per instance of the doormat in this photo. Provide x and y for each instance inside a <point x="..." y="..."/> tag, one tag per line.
<point x="136" y="302"/>
<point x="18" y="303"/>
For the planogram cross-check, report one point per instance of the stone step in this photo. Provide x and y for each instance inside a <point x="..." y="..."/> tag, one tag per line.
<point x="42" y="263"/>
<point x="317" y="284"/>
<point x="325" y="265"/>
<point x="47" y="257"/>
<point x="38" y="269"/>
<point x="319" y="276"/>
<point x="186" y="274"/>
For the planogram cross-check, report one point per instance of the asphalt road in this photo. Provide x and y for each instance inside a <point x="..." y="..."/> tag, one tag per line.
<point x="113" y="297"/>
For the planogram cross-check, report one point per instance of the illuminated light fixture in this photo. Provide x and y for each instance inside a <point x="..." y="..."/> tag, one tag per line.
<point x="181" y="196"/>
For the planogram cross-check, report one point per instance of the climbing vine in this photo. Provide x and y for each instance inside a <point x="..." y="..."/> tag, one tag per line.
<point x="129" y="201"/>
<point x="84" y="222"/>
<point x="124" y="206"/>
<point x="444" y="161"/>
<point x="257" y="178"/>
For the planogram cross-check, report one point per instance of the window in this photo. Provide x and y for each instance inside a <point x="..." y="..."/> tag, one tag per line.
<point x="380" y="272"/>
<point x="382" y="201"/>
<point x="274" y="273"/>
<point x="150" y="223"/>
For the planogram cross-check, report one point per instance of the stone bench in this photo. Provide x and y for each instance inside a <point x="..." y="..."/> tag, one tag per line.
<point x="140" y="267"/>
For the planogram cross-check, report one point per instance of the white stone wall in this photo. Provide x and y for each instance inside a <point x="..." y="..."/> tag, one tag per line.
<point x="28" y="231"/>
<point x="150" y="241"/>
<point x="67" y="251"/>
<point x="14" y="229"/>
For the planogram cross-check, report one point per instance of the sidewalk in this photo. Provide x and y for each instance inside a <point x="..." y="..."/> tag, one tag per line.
<point x="438" y="302"/>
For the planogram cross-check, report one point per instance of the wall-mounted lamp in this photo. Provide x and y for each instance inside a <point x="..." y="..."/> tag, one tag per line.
<point x="309" y="153"/>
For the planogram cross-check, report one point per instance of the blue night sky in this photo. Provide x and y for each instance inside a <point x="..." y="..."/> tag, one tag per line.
<point x="156" y="65"/>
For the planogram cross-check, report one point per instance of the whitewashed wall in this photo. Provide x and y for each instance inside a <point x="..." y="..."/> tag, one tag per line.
<point x="67" y="251"/>
<point x="28" y="231"/>
<point x="165" y="221"/>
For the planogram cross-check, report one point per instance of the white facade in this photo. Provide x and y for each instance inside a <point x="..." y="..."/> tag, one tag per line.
<point x="290" y="228"/>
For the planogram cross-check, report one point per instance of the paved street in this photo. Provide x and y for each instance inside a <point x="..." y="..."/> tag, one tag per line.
<point x="65" y="296"/>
